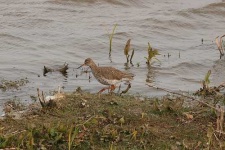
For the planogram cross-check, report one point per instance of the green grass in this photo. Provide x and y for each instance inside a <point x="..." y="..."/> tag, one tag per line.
<point x="85" y="121"/>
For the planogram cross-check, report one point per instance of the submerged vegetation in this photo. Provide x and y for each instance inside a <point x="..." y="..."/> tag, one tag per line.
<point x="206" y="90"/>
<point x="85" y="121"/>
<point x="9" y="84"/>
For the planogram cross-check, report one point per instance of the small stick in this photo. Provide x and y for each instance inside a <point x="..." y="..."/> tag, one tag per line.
<point x="222" y="85"/>
<point x="125" y="91"/>
<point x="81" y="124"/>
<point x="220" y="118"/>
<point x="132" y="56"/>
<point x="40" y="98"/>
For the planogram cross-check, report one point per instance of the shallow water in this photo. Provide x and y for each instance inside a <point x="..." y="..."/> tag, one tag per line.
<point x="51" y="32"/>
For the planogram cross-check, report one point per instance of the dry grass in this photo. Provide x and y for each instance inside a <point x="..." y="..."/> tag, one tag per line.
<point x="113" y="122"/>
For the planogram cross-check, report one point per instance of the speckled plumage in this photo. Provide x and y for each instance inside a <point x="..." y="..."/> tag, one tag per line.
<point x="107" y="75"/>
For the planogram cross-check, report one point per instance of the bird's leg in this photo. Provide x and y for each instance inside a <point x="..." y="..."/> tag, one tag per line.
<point x="119" y="89"/>
<point x="109" y="88"/>
<point x="112" y="88"/>
<point x="102" y="90"/>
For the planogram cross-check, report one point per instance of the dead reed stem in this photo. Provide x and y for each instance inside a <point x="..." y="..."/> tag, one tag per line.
<point x="189" y="97"/>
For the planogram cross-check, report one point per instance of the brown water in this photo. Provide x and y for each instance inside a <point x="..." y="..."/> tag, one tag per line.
<point x="35" y="33"/>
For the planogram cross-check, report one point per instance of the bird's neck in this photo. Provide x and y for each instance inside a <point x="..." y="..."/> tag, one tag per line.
<point x="93" y="66"/>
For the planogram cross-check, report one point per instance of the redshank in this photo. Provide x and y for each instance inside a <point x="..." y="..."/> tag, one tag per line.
<point x="107" y="75"/>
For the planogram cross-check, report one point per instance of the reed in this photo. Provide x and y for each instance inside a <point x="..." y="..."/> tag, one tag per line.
<point x="206" y="81"/>
<point x="220" y="45"/>
<point x="110" y="39"/>
<point x="127" y="49"/>
<point x="132" y="55"/>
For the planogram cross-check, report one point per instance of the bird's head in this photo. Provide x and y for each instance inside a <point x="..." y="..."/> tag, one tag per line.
<point x="87" y="62"/>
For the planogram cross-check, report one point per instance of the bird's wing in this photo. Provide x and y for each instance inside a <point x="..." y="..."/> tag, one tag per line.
<point x="110" y="73"/>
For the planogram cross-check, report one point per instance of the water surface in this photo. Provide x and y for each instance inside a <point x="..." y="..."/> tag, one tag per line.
<point x="35" y="33"/>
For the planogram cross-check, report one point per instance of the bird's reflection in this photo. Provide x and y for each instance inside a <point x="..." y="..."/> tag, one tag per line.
<point x="65" y="74"/>
<point x="57" y="68"/>
<point x="85" y="70"/>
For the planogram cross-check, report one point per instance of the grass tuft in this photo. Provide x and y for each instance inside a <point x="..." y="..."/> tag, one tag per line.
<point x="113" y="122"/>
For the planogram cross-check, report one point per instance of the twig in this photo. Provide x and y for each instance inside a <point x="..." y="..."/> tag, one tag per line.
<point x="222" y="85"/>
<point x="131" y="56"/>
<point x="86" y="121"/>
<point x="41" y="100"/>
<point x="220" y="118"/>
<point x="220" y="132"/>
<point x="216" y="137"/>
<point x="192" y="98"/>
<point x="125" y="91"/>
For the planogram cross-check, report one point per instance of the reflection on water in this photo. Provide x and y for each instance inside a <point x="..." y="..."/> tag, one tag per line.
<point x="42" y="33"/>
<point x="150" y="75"/>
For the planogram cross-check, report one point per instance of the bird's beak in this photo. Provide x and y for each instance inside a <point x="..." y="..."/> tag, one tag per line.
<point x="81" y="66"/>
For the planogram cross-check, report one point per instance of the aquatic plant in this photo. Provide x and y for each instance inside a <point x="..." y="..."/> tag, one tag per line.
<point x="110" y="39"/>
<point x="220" y="45"/>
<point x="206" y="80"/>
<point x="132" y="55"/>
<point x="206" y="90"/>
<point x="9" y="84"/>
<point x="126" y="51"/>
<point x="151" y="54"/>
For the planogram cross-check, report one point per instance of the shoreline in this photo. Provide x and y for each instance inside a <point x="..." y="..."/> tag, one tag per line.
<point x="84" y="121"/>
